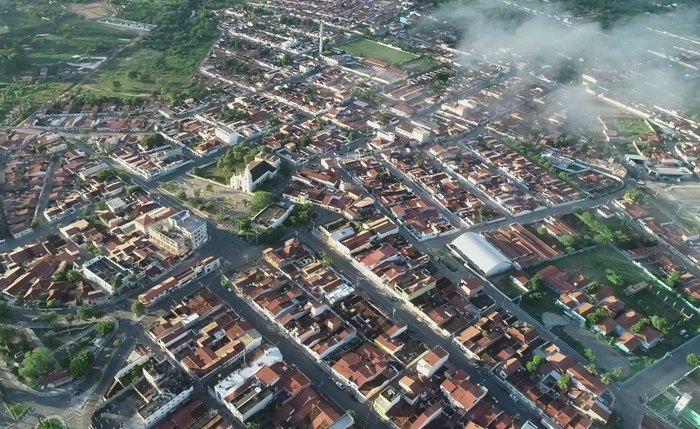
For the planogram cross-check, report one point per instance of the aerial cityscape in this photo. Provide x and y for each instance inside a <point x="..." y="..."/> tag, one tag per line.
<point x="350" y="214"/>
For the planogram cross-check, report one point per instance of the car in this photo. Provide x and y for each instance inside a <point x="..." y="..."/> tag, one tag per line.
<point x="77" y="391"/>
<point x="495" y="400"/>
<point x="514" y="397"/>
<point x="394" y="299"/>
<point x="340" y="385"/>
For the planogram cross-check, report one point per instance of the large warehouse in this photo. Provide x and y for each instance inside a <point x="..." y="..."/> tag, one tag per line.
<point x="480" y="254"/>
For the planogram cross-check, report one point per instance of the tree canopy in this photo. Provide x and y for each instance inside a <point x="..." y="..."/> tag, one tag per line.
<point x="138" y="308"/>
<point x="104" y="327"/>
<point x="81" y="364"/>
<point x="37" y="363"/>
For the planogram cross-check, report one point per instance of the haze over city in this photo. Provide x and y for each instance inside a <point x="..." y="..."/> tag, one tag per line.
<point x="325" y="214"/>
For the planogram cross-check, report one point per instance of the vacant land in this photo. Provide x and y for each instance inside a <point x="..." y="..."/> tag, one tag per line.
<point x="138" y="71"/>
<point x="92" y="11"/>
<point x="39" y="50"/>
<point x="596" y="265"/>
<point x="167" y="57"/>
<point x="213" y="172"/>
<point x="372" y="50"/>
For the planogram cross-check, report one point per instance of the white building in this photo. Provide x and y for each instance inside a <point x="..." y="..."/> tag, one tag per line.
<point x="106" y="274"/>
<point x="225" y="391"/>
<point x="263" y="168"/>
<point x="432" y="361"/>
<point x="226" y="134"/>
<point x="480" y="254"/>
<point x="179" y="234"/>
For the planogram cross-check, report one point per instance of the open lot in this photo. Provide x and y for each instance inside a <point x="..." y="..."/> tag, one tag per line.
<point x="654" y="300"/>
<point x="213" y="172"/>
<point x="139" y="71"/>
<point x="48" y="47"/>
<point x="222" y="204"/>
<point x="372" y="50"/>
<point x="94" y="10"/>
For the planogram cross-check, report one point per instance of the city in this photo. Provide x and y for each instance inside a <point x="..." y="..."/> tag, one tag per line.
<point x="329" y="215"/>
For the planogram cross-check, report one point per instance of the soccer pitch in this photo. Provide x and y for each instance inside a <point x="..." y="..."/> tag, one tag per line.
<point x="368" y="49"/>
<point x="664" y="403"/>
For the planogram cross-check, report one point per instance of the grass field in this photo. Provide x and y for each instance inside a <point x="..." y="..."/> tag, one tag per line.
<point x="17" y="411"/>
<point x="368" y="49"/>
<point x="212" y="172"/>
<point x="651" y="301"/>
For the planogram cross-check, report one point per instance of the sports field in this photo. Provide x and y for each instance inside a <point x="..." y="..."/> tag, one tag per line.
<point x="372" y="50"/>
<point x="663" y="404"/>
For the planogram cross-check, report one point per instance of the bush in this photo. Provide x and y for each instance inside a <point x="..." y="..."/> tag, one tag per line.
<point x="104" y="327"/>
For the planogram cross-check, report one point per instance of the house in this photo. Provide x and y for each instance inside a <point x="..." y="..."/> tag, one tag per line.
<point x="626" y="320"/>
<point x="461" y="392"/>
<point x="432" y="361"/>
<point x="264" y="167"/>
<point x="361" y="366"/>
<point x="628" y="342"/>
<point x="649" y="337"/>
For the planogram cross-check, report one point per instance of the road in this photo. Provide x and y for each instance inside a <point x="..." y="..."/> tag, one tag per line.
<point x="75" y="410"/>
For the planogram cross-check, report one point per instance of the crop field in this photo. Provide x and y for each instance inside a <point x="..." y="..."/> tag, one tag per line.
<point x="372" y="50"/>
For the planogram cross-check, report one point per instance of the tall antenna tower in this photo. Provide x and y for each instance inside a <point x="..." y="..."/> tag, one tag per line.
<point x="320" y="41"/>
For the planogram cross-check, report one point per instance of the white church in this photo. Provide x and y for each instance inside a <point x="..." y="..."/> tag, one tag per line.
<point x="264" y="167"/>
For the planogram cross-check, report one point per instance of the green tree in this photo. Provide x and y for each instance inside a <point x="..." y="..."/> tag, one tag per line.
<point x="4" y="310"/>
<point x="564" y="382"/>
<point x="36" y="363"/>
<point x="693" y="360"/>
<point x="536" y="282"/>
<point x="597" y="316"/>
<point x="50" y="424"/>
<point x="639" y="326"/>
<point x="606" y="378"/>
<point x="133" y="189"/>
<point x="116" y="85"/>
<point x="673" y="279"/>
<point x="660" y="323"/>
<point x="85" y="312"/>
<point x="48" y="317"/>
<point x="534" y="364"/>
<point x="104" y="327"/>
<point x="589" y="354"/>
<point x="613" y="277"/>
<point x="81" y="364"/>
<point x="262" y="199"/>
<point x="635" y="195"/>
<point x="567" y="241"/>
<point x="74" y="276"/>
<point x="138" y="308"/>
<point x="325" y="258"/>
<point x="616" y="373"/>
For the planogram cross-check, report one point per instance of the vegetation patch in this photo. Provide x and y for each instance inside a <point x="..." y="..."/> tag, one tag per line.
<point x="213" y="172"/>
<point x="17" y="411"/>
